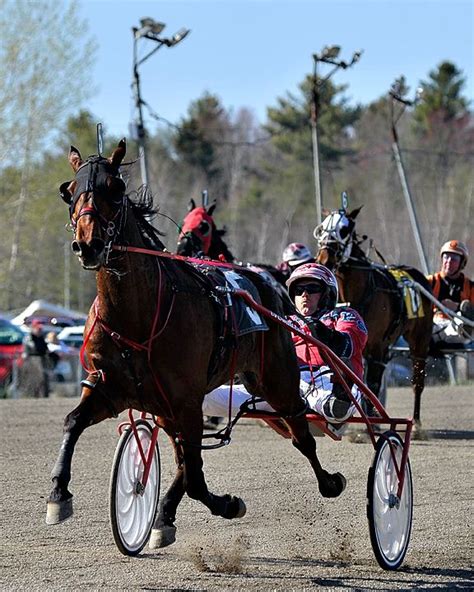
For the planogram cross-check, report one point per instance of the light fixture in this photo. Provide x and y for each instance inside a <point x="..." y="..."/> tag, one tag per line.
<point x="330" y="52"/>
<point x="179" y="36"/>
<point x="152" y="26"/>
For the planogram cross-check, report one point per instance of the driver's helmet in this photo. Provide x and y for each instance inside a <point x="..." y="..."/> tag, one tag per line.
<point x="458" y="247"/>
<point x="317" y="273"/>
<point x="296" y="254"/>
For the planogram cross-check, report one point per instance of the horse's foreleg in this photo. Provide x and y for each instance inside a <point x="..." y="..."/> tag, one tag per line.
<point x="418" y="382"/>
<point x="374" y="376"/>
<point x="91" y="410"/>
<point x="164" y="530"/>
<point x="330" y="485"/>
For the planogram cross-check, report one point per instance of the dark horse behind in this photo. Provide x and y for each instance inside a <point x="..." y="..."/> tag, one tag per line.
<point x="375" y="293"/>
<point x="153" y="343"/>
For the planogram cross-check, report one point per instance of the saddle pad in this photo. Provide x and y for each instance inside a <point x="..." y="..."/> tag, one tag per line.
<point x="247" y="319"/>
<point x="411" y="296"/>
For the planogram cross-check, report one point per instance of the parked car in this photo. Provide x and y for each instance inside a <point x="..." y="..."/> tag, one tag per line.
<point x="11" y="350"/>
<point x="72" y="336"/>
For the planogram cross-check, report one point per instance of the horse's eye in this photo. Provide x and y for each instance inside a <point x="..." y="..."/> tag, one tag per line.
<point x="116" y="184"/>
<point x="204" y="227"/>
<point x="64" y="192"/>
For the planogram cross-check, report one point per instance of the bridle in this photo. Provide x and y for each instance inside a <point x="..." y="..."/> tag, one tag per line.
<point x="91" y="177"/>
<point x="329" y="236"/>
<point x="199" y="236"/>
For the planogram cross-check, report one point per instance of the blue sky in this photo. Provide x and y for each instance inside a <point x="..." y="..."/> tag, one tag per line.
<point x="250" y="53"/>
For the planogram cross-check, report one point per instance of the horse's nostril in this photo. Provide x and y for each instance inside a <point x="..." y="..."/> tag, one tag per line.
<point x="76" y="247"/>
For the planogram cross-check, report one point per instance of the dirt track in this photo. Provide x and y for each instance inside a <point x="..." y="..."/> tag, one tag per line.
<point x="290" y="538"/>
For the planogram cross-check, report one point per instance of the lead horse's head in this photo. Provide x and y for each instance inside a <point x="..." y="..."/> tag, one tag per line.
<point x="96" y="200"/>
<point x="335" y="236"/>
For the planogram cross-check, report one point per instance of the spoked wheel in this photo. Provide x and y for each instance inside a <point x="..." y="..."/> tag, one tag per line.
<point x="390" y="517"/>
<point x="132" y="506"/>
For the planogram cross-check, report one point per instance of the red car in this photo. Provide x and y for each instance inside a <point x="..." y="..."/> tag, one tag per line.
<point x="11" y="350"/>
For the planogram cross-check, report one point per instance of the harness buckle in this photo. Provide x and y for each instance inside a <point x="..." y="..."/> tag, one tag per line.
<point x="108" y="249"/>
<point x="110" y="230"/>
<point x="115" y="336"/>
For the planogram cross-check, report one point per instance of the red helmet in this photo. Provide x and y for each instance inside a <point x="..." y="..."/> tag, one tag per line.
<point x="296" y="253"/>
<point x="457" y="247"/>
<point x="318" y="273"/>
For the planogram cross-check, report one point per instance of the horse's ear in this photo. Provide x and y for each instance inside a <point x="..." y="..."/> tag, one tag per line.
<point x="191" y="205"/>
<point x="119" y="153"/>
<point x="211" y="209"/>
<point x="75" y="158"/>
<point x="325" y="212"/>
<point x="353" y="215"/>
<point x="64" y="192"/>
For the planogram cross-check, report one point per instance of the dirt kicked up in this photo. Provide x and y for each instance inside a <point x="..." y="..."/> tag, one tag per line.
<point x="290" y="538"/>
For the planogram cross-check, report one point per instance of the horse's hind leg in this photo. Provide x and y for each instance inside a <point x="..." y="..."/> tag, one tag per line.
<point x="330" y="485"/>
<point x="92" y="409"/>
<point x="276" y="388"/>
<point x="227" y="506"/>
<point x="418" y="339"/>
<point x="195" y="486"/>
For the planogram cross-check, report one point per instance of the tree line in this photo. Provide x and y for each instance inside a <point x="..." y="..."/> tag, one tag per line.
<point x="261" y="175"/>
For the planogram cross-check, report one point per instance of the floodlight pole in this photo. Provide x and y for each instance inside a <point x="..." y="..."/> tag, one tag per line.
<point x="314" y="138"/>
<point x="140" y="128"/>
<point x="404" y="181"/>
<point x="328" y="56"/>
<point x="149" y="29"/>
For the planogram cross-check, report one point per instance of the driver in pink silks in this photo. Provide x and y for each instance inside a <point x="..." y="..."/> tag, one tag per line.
<point x="313" y="289"/>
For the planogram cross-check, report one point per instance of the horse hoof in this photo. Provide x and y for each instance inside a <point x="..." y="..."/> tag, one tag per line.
<point x="234" y="508"/>
<point x="334" y="485"/>
<point x="162" y="537"/>
<point x="57" y="512"/>
<point x="242" y="510"/>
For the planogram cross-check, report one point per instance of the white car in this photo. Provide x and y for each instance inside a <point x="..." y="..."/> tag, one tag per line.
<point x="72" y="336"/>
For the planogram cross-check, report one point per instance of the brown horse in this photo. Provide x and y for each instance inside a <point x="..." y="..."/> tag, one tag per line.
<point x="153" y="343"/>
<point x="373" y="291"/>
<point x="200" y="236"/>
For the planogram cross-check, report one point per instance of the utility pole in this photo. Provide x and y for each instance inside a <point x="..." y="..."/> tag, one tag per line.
<point x="396" y="92"/>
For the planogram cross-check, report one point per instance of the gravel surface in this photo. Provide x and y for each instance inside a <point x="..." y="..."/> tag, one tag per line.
<point x="290" y="538"/>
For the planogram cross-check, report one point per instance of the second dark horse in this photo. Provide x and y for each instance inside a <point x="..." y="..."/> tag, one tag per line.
<point x="373" y="290"/>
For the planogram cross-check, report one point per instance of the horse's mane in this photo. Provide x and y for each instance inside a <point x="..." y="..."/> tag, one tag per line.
<point x="358" y="253"/>
<point x="219" y="245"/>
<point x="144" y="210"/>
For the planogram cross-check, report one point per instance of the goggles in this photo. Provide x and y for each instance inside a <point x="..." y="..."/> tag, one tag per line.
<point x="308" y="288"/>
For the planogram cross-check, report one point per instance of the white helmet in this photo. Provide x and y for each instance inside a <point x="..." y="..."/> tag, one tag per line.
<point x="318" y="273"/>
<point x="296" y="253"/>
<point x="458" y="247"/>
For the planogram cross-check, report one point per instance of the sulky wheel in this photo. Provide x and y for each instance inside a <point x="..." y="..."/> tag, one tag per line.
<point x="132" y="506"/>
<point x="390" y="518"/>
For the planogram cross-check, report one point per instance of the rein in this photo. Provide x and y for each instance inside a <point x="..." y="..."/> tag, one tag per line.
<point x="119" y="340"/>
<point x="168" y="255"/>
